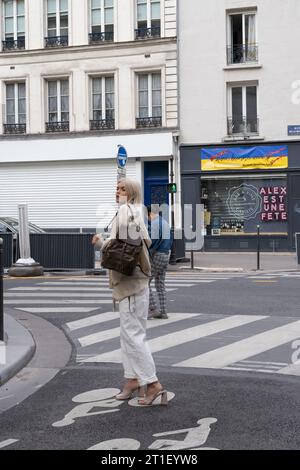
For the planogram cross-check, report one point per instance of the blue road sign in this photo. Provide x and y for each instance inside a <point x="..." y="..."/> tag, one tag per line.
<point x="121" y="156"/>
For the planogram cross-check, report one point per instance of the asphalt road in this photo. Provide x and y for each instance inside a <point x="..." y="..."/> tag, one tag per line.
<point x="224" y="355"/>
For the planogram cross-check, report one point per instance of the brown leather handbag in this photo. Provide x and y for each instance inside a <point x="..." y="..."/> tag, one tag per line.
<point x="122" y="255"/>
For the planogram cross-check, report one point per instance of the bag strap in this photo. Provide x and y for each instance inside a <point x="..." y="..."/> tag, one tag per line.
<point x="106" y="228"/>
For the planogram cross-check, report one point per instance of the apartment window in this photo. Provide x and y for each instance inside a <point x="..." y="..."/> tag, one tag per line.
<point x="243" y="110"/>
<point x="57" y="23"/>
<point x="14" y="24"/>
<point x="58" y="106"/>
<point x="15" y="108"/>
<point x="148" y="19"/>
<point x="242" y="39"/>
<point x="102" y="21"/>
<point x="103" y="103"/>
<point x="149" y="100"/>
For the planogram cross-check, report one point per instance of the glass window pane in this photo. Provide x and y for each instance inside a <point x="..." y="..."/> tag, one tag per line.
<point x="143" y="99"/>
<point x="21" y="24"/>
<point x="10" y="119"/>
<point x="109" y="84"/>
<point x="22" y="106"/>
<point x="97" y="100"/>
<point x="21" y="90"/>
<point x="10" y="91"/>
<point x="96" y="85"/>
<point x="20" y="7"/>
<point x="143" y="82"/>
<point x="9" y="25"/>
<point x="109" y="101"/>
<point x="52" y="102"/>
<point x="109" y="16"/>
<point x="156" y="98"/>
<point x="65" y="103"/>
<point x="96" y="17"/>
<point x="63" y="21"/>
<point x="51" y="6"/>
<point x="237" y="103"/>
<point x="52" y="88"/>
<point x="63" y="5"/>
<point x="142" y="12"/>
<point x="52" y="117"/>
<point x="65" y="117"/>
<point x="156" y="111"/>
<point x="22" y="118"/>
<point x="64" y="87"/>
<point x="52" y="23"/>
<point x="8" y="8"/>
<point x="156" y="81"/>
<point x="155" y="11"/>
<point x="251" y="102"/>
<point x="96" y="4"/>
<point x="108" y="3"/>
<point x="10" y="106"/>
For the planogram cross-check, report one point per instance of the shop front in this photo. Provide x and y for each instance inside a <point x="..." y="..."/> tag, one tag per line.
<point x="242" y="188"/>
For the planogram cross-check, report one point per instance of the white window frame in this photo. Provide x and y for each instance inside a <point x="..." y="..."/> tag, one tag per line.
<point x="149" y="73"/>
<point x="244" y="14"/>
<point x="244" y="86"/>
<point x="103" y="94"/>
<point x="149" y="13"/>
<point x="15" y="19"/>
<point x="58" y="89"/>
<point x="16" y="83"/>
<point x="57" y="18"/>
<point x="102" y="9"/>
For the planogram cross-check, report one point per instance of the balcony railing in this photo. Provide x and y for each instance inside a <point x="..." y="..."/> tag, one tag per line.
<point x="57" y="126"/>
<point x="13" y="44"/>
<point x="98" y="38"/>
<point x="100" y="124"/>
<point x="147" y="33"/>
<point x="242" y="54"/>
<point x="14" y="128"/>
<point x="242" y="126"/>
<point x="148" y="122"/>
<point x="57" y="41"/>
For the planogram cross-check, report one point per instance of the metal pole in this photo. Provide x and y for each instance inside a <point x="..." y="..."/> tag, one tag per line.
<point x="192" y="260"/>
<point x="173" y="250"/>
<point x="258" y="248"/>
<point x="1" y="292"/>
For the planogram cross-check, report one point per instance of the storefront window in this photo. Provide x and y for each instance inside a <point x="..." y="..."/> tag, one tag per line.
<point x="238" y="205"/>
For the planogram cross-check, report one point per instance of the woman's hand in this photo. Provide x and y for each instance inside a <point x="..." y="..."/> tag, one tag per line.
<point x="97" y="238"/>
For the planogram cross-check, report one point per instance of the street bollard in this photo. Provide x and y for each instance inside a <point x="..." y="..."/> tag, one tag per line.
<point x="192" y="260"/>
<point x="1" y="292"/>
<point x="258" y="248"/>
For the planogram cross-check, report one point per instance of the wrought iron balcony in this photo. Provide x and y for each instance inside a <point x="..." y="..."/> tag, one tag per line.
<point x="242" y="126"/>
<point x="14" y="128"/>
<point x="148" y="122"/>
<point x="57" y="41"/>
<point x="57" y="126"/>
<point x="13" y="44"/>
<point x="100" y="124"/>
<point x="98" y="38"/>
<point x="147" y="33"/>
<point x="242" y="54"/>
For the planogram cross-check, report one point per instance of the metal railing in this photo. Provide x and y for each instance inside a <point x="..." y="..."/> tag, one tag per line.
<point x="243" y="126"/>
<point x="58" y="126"/>
<point x="147" y="33"/>
<point x="99" y="124"/>
<point x="14" y="128"/>
<point x="13" y="44"/>
<point x="98" y="38"/>
<point x="57" y="41"/>
<point x="242" y="53"/>
<point x="148" y="122"/>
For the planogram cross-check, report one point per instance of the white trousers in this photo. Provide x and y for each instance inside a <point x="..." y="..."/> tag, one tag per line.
<point x="136" y="355"/>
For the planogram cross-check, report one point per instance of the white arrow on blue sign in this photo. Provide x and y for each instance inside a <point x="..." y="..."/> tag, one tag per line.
<point x="121" y="156"/>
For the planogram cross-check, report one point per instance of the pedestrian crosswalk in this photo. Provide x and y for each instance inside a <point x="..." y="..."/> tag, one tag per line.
<point x="198" y="340"/>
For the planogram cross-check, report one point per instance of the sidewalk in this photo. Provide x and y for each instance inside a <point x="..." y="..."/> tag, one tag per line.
<point x="17" y="351"/>
<point x="239" y="262"/>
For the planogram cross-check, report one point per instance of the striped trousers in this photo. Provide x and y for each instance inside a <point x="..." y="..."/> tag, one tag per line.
<point x="159" y="265"/>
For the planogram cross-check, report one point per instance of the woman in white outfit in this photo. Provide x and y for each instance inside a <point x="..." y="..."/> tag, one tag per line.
<point x="132" y="293"/>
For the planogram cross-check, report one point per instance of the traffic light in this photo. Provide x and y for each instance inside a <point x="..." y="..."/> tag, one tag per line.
<point x="172" y="188"/>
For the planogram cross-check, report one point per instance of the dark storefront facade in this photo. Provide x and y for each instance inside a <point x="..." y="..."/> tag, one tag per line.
<point x="243" y="186"/>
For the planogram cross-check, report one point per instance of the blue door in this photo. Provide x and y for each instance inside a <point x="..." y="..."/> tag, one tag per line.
<point x="155" y="183"/>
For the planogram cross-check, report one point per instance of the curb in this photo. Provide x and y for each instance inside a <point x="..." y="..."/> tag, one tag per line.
<point x="20" y="348"/>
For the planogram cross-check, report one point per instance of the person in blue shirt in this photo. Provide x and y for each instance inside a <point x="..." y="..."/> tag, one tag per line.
<point x="160" y="249"/>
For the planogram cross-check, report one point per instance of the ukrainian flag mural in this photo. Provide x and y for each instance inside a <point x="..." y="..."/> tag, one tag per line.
<point x="244" y="158"/>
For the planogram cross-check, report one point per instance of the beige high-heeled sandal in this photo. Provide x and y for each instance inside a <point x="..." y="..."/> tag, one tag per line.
<point x="147" y="401"/>
<point x="126" y="394"/>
